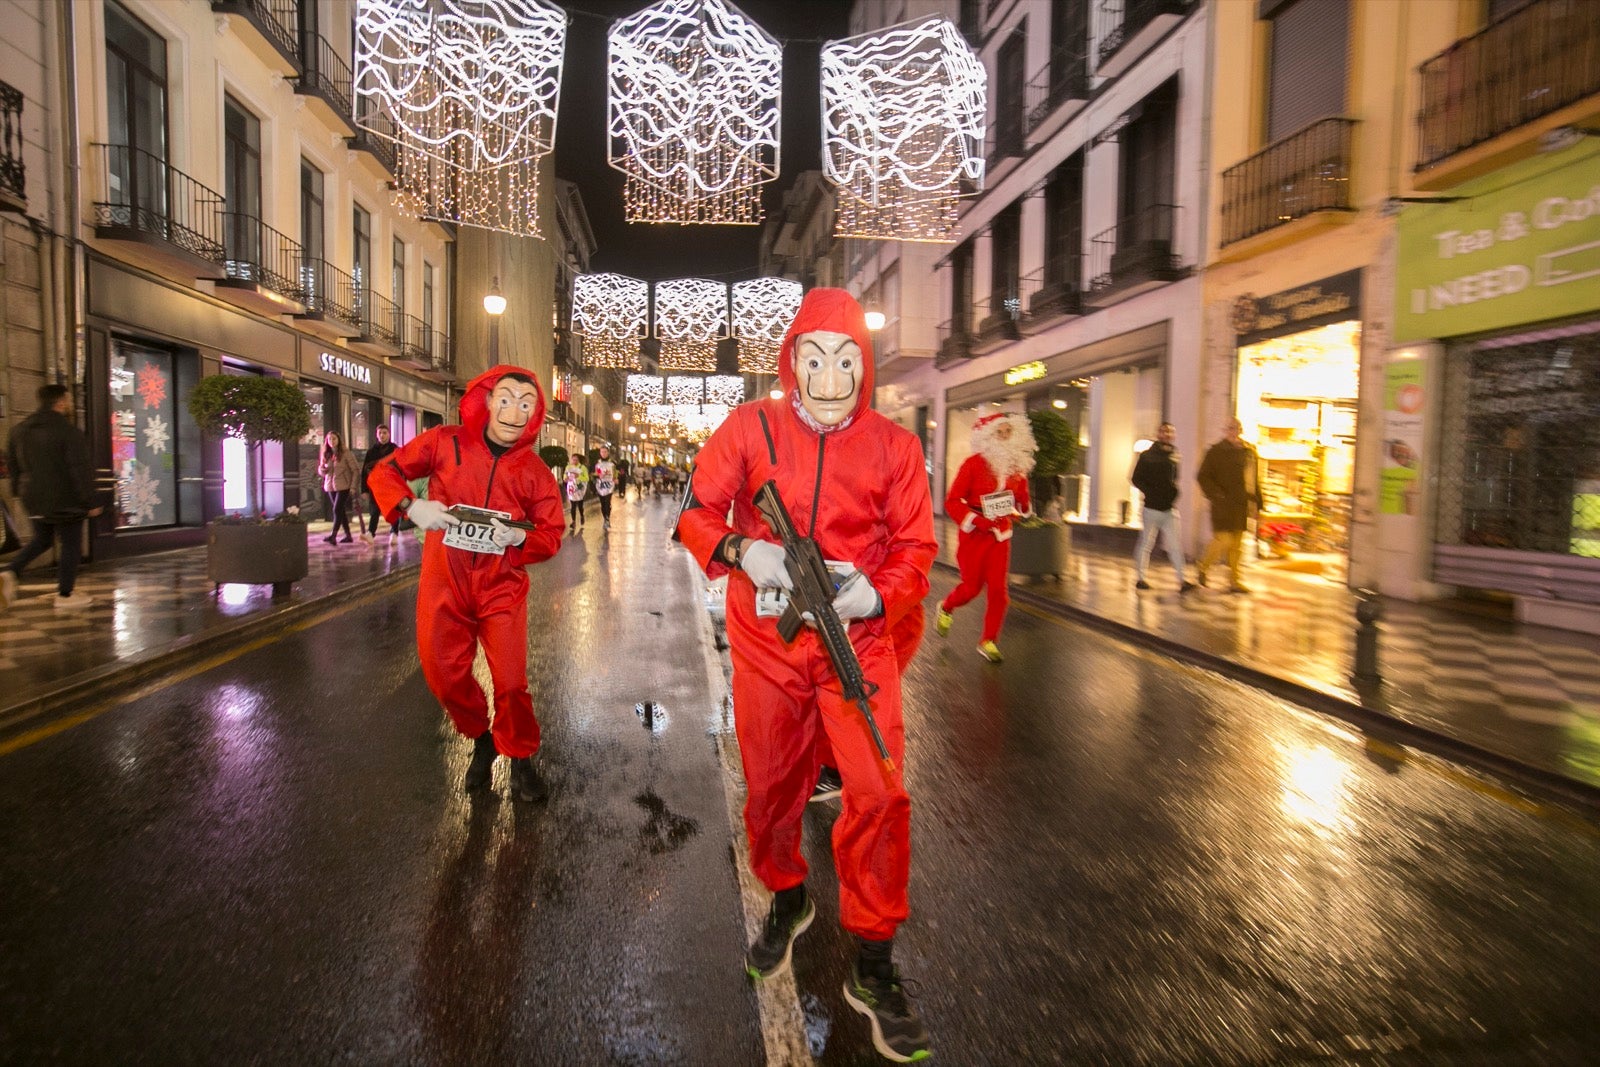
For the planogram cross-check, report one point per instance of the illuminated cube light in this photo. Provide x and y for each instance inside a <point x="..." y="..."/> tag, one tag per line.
<point x="726" y="390"/>
<point x="644" y="389"/>
<point x="612" y="313"/>
<point x="763" y="308"/>
<point x="691" y="317"/>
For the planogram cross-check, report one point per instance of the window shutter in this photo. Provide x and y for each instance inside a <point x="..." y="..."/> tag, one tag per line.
<point x="1308" y="66"/>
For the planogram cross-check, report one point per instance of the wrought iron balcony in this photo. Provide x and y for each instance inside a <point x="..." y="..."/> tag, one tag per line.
<point x="1119" y="23"/>
<point x="326" y="77"/>
<point x="371" y="125"/>
<point x="277" y="21"/>
<point x="256" y="256"/>
<point x="379" y="321"/>
<point x="1065" y="77"/>
<point x="1297" y="175"/>
<point x="1052" y="292"/>
<point x="150" y="202"/>
<point x="420" y="344"/>
<point x="13" y="175"/>
<point x="1136" y="253"/>
<point x="997" y="318"/>
<point x="329" y="295"/>
<point x="1533" y="62"/>
<point x="955" y="341"/>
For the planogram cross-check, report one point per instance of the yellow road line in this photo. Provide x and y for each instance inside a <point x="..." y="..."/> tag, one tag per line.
<point x="57" y="726"/>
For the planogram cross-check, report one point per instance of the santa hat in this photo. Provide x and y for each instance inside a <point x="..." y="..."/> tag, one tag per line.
<point x="996" y="417"/>
<point x="831" y="311"/>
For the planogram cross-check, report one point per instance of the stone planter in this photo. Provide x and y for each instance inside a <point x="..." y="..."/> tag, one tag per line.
<point x="1037" y="551"/>
<point x="265" y="553"/>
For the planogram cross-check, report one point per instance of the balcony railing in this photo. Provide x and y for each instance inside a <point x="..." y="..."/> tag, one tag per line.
<point x="277" y="20"/>
<point x="258" y="254"/>
<point x="1136" y="250"/>
<point x="1119" y="21"/>
<point x="369" y="118"/>
<point x="954" y="337"/>
<point x="328" y="293"/>
<point x="422" y="346"/>
<point x="13" y="175"/>
<point x="325" y="74"/>
<point x="147" y="197"/>
<point x="378" y="318"/>
<point x="1533" y="62"/>
<point x="1299" y="174"/>
<point x="997" y="318"/>
<point x="1053" y="291"/>
<point x="1065" y="77"/>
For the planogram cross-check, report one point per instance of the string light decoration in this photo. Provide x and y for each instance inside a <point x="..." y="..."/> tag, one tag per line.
<point x="691" y="317"/>
<point x="686" y="390"/>
<point x="611" y="312"/>
<point x="692" y="99"/>
<point x="698" y="424"/>
<point x="763" y="308"/>
<point x="467" y="91"/>
<point x="725" y="389"/>
<point x="644" y="389"/>
<point x="903" y="129"/>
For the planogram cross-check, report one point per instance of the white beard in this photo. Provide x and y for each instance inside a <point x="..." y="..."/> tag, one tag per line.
<point x="1008" y="457"/>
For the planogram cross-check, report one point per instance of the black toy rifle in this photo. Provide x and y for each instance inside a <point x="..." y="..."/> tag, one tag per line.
<point x="467" y="513"/>
<point x="813" y="594"/>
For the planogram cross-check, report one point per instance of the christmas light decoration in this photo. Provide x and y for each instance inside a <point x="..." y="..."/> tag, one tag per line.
<point x="686" y="389"/>
<point x="700" y="423"/>
<point x="903" y="128"/>
<point x="644" y="389"/>
<point x="693" y="93"/>
<point x="691" y="316"/>
<point x="611" y="312"/>
<point x="725" y="389"/>
<point x="763" y="308"/>
<point x="467" y="92"/>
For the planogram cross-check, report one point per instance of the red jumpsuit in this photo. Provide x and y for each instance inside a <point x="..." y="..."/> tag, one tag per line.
<point x="870" y="507"/>
<point x="983" y="547"/>
<point x="468" y="597"/>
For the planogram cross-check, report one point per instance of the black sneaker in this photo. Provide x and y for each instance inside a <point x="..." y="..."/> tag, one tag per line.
<point x="526" y="785"/>
<point x="1185" y="587"/>
<point x="769" y="955"/>
<point x="829" y="785"/>
<point x="482" y="765"/>
<point x="1141" y="584"/>
<point x="897" y="1032"/>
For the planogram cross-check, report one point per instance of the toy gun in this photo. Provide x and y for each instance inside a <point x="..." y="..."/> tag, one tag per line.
<point x="813" y="594"/>
<point x="467" y="513"/>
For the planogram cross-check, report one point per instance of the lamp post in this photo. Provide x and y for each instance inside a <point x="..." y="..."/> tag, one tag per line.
<point x="494" y="303"/>
<point x="588" y="391"/>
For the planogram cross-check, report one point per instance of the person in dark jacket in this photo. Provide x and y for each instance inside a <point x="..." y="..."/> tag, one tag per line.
<point x="1155" y="475"/>
<point x="375" y="455"/>
<point x="1230" y="479"/>
<point x="50" y="470"/>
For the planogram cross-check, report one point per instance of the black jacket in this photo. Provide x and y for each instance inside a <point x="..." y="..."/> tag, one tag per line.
<point x="375" y="455"/>
<point x="1156" y="476"/>
<point x="50" y="469"/>
<point x="1230" y="479"/>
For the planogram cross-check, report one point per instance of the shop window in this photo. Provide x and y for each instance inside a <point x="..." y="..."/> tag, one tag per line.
<point x="144" y="414"/>
<point x="1520" y="448"/>
<point x="1307" y="64"/>
<point x="364" y="415"/>
<point x="310" y="447"/>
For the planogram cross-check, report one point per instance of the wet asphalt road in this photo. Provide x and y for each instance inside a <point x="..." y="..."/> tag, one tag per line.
<point x="1116" y="860"/>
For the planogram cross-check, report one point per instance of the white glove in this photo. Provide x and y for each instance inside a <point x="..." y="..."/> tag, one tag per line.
<point x="430" y="515"/>
<point x="857" y="600"/>
<point x="504" y="535"/>
<point x="763" y="562"/>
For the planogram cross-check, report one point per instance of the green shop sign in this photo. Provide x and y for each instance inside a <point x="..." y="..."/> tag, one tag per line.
<point x="1516" y="246"/>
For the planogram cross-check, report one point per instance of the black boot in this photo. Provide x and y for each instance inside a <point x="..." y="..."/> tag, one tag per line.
<point x="482" y="765"/>
<point x="788" y="917"/>
<point x="874" y="989"/>
<point x="526" y="785"/>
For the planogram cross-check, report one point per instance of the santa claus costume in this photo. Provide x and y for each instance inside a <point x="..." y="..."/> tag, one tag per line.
<point x="990" y="488"/>
<point x="472" y="595"/>
<point x="854" y="482"/>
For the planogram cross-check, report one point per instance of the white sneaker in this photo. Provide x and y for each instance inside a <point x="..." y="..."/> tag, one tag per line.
<point x="8" y="585"/>
<point x="73" y="602"/>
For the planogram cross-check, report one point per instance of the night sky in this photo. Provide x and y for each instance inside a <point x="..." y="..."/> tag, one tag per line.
<point x="654" y="252"/>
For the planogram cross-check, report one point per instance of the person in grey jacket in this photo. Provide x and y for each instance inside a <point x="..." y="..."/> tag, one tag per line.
<point x="50" y="470"/>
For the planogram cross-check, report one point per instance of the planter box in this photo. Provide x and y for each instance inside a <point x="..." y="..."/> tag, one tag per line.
<point x="1040" y="550"/>
<point x="268" y="553"/>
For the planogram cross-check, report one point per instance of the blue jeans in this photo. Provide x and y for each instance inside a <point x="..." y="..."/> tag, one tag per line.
<point x="1166" y="524"/>
<point x="68" y="537"/>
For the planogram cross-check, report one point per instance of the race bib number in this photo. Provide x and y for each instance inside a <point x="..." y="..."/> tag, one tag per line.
<point x="603" y="486"/>
<point x="770" y="603"/>
<point x="998" y="505"/>
<point x="476" y="535"/>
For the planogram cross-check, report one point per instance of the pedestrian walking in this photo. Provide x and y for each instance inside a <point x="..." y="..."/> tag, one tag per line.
<point x="990" y="488"/>
<point x="1230" y="478"/>
<point x="623" y="469"/>
<point x="383" y="449"/>
<point x="605" y="483"/>
<point x="1155" y="475"/>
<point x="474" y="587"/>
<point x="340" y="473"/>
<point x="576" y="478"/>
<point x="854" y="482"/>
<point x="48" y="457"/>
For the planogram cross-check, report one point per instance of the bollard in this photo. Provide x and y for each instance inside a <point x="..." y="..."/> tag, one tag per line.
<point x="1369" y="609"/>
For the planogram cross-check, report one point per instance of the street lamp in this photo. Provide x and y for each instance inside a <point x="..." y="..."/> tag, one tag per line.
<point x="588" y="391"/>
<point x="875" y="319"/>
<point x="494" y="304"/>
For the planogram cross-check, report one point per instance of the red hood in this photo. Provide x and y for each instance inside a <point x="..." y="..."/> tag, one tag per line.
<point x="474" y="406"/>
<point x="835" y="311"/>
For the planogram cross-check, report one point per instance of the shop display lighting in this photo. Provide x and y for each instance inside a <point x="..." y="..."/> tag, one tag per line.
<point x="467" y="92"/>
<point x="903" y="113"/>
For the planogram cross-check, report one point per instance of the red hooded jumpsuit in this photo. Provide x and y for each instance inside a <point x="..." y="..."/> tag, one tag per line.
<point x="467" y="597"/>
<point x="983" y="547"/>
<point x="870" y="506"/>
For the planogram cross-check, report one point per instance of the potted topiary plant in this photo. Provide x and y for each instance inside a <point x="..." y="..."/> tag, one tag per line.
<point x="555" y="457"/>
<point x="1040" y="546"/>
<point x="251" y="547"/>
